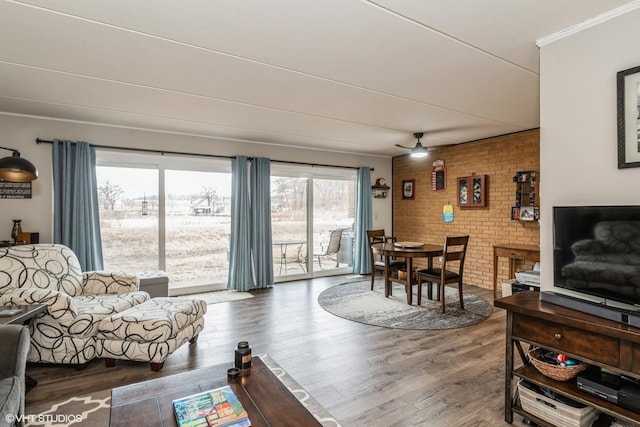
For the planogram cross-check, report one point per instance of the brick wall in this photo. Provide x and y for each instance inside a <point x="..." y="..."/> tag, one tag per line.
<point x="499" y="158"/>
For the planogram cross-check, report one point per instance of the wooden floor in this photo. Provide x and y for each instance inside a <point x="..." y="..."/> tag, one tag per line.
<point x="363" y="375"/>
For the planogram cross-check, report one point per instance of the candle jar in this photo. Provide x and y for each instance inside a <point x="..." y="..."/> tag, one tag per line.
<point x="243" y="357"/>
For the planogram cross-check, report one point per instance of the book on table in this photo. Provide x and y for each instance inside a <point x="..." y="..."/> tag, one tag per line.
<point x="219" y="407"/>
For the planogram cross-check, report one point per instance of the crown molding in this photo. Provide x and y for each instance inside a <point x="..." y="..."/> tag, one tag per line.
<point x="589" y="23"/>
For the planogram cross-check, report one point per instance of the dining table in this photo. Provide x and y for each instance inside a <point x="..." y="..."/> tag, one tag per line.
<point x="408" y="251"/>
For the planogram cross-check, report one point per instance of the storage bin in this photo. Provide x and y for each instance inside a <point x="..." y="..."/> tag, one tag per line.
<point x="558" y="413"/>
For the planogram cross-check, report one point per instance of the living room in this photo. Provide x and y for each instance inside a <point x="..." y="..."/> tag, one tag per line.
<point x="577" y="165"/>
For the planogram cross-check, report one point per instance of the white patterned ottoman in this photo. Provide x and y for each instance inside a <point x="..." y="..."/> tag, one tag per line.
<point x="151" y="331"/>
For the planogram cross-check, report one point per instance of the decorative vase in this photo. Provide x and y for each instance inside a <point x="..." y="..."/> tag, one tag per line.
<point x="16" y="230"/>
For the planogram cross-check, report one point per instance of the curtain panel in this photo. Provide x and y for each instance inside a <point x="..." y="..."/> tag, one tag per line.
<point x="240" y="270"/>
<point x="76" y="218"/>
<point x="261" y="239"/>
<point x="364" y="222"/>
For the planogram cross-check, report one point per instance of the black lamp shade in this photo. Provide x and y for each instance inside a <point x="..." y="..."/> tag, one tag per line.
<point x="17" y="169"/>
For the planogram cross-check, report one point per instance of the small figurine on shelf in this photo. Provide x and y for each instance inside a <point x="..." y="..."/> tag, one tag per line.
<point x="16" y="230"/>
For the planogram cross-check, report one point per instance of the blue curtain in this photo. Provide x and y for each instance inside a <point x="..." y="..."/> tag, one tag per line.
<point x="240" y="272"/>
<point x="76" y="219"/>
<point x="364" y="222"/>
<point x="261" y="247"/>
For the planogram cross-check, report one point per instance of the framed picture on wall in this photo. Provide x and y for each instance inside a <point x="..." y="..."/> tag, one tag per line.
<point x="472" y="191"/>
<point x="527" y="213"/>
<point x="408" y="189"/>
<point x="628" y="82"/>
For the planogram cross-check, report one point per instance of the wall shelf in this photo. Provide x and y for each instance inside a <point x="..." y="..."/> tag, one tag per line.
<point x="380" y="189"/>
<point x="525" y="207"/>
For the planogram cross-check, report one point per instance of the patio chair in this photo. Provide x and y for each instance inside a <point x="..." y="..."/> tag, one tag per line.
<point x="332" y="248"/>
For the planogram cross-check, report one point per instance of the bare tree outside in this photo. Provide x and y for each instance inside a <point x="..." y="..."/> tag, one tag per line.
<point x="208" y="195"/>
<point x="289" y="197"/>
<point x="110" y="193"/>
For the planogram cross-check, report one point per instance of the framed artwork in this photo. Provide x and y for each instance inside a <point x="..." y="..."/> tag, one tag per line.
<point x="515" y="212"/>
<point x="628" y="82"/>
<point x="15" y="190"/>
<point x="472" y="191"/>
<point x="527" y="213"/>
<point x="438" y="176"/>
<point x="408" y="189"/>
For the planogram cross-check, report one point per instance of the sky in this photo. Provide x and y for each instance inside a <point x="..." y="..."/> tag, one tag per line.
<point x="137" y="182"/>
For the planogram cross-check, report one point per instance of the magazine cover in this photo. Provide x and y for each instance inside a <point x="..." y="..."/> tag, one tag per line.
<point x="218" y="407"/>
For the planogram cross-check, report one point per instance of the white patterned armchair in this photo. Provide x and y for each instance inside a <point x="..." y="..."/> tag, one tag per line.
<point x="50" y="274"/>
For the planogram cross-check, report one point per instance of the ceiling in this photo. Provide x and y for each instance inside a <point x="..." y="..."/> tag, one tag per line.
<point x="346" y="75"/>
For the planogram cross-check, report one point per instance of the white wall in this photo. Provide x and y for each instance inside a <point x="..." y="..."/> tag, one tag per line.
<point x="578" y="123"/>
<point x="21" y="132"/>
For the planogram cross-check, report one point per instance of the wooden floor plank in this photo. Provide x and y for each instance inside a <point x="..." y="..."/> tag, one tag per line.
<point x="363" y="375"/>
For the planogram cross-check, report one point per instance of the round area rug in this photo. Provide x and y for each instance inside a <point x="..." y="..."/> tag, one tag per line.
<point x="356" y="301"/>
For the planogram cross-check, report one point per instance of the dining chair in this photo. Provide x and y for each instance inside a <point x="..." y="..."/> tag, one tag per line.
<point x="451" y="271"/>
<point x="377" y="262"/>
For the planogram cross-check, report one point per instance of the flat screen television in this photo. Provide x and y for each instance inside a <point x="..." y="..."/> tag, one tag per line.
<point x="596" y="252"/>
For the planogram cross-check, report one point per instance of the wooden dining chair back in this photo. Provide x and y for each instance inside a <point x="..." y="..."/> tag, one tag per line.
<point x="377" y="262"/>
<point x="451" y="270"/>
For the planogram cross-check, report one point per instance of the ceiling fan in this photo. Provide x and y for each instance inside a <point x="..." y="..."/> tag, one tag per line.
<point x="419" y="151"/>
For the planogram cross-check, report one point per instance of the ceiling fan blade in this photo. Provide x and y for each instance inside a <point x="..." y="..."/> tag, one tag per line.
<point x="420" y="150"/>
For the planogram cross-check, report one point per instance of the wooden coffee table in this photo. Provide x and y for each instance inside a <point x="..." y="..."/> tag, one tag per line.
<point x="267" y="401"/>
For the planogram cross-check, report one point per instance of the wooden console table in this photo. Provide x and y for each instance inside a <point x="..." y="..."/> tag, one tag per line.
<point x="592" y="339"/>
<point x="528" y="253"/>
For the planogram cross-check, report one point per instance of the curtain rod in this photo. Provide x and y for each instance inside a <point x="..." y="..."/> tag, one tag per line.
<point x="218" y="156"/>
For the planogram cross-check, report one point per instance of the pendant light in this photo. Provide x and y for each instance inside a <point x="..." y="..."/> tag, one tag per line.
<point x="16" y="169"/>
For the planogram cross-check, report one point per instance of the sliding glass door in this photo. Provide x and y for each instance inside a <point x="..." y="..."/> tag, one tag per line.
<point x="289" y="218"/>
<point x="197" y="224"/>
<point x="173" y="214"/>
<point x="333" y="223"/>
<point x="312" y="213"/>
<point x="129" y="217"/>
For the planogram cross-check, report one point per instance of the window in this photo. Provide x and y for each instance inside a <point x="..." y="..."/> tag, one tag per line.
<point x="289" y="214"/>
<point x="173" y="214"/>
<point x="333" y="223"/>
<point x="175" y="219"/>
<point x="197" y="227"/>
<point x="308" y="204"/>
<point x="129" y="217"/>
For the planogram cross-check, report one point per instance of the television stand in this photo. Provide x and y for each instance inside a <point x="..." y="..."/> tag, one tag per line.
<point x="601" y="310"/>
<point x="594" y="340"/>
